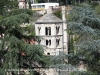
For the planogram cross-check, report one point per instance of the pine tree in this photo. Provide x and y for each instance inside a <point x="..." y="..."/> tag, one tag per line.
<point x="84" y="25"/>
<point x="17" y="49"/>
<point x="6" y="5"/>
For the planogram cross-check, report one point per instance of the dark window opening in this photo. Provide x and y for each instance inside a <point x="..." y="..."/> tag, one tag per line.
<point x="39" y="28"/>
<point x="49" y="42"/>
<point x="48" y="31"/>
<point x="57" y="30"/>
<point x="48" y="53"/>
<point x="46" y="42"/>
<point x="57" y="42"/>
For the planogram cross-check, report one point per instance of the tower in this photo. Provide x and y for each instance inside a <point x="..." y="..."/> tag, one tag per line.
<point x="52" y="31"/>
<point x="65" y="34"/>
<point x="50" y="28"/>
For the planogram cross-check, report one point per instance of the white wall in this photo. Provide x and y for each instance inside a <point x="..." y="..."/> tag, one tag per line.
<point x="52" y="48"/>
<point x="46" y="4"/>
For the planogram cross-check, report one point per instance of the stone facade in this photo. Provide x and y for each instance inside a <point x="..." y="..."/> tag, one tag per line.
<point x="52" y="31"/>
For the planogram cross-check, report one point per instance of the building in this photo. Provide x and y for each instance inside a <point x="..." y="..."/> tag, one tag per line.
<point x="24" y="3"/>
<point x="43" y="6"/>
<point x="52" y="31"/>
<point x="49" y="27"/>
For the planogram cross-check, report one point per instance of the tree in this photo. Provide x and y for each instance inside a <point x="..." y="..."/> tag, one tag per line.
<point x="5" y="5"/>
<point x="97" y="8"/>
<point x="84" y="26"/>
<point x="17" y="49"/>
<point x="58" y="14"/>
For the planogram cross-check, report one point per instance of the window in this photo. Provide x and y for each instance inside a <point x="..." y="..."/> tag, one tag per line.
<point x="48" y="42"/>
<point x="43" y="6"/>
<point x="34" y="6"/>
<point x="39" y="6"/>
<point x="57" y="29"/>
<point x="57" y="42"/>
<point x="39" y="28"/>
<point x="48" y="31"/>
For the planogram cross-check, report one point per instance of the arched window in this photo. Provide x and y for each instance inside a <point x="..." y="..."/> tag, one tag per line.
<point x="48" y="31"/>
<point x="39" y="28"/>
<point x="57" y="42"/>
<point x="57" y="29"/>
<point x="46" y="42"/>
<point x="49" y="42"/>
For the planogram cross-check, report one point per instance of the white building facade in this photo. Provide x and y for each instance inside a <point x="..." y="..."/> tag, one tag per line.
<point x="50" y="29"/>
<point x="43" y="6"/>
<point x="53" y="32"/>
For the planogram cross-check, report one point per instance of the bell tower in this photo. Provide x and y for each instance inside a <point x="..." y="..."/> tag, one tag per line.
<point x="22" y="4"/>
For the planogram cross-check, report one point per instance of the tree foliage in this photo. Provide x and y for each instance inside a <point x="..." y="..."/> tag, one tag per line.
<point x="58" y="14"/>
<point x="6" y="5"/>
<point x="17" y="49"/>
<point x="84" y="26"/>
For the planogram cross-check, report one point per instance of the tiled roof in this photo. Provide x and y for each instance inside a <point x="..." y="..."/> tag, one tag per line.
<point x="49" y="18"/>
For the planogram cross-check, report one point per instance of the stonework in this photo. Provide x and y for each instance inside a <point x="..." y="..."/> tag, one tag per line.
<point x="52" y="31"/>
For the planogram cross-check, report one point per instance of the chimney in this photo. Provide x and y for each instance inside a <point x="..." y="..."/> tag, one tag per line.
<point x="49" y="10"/>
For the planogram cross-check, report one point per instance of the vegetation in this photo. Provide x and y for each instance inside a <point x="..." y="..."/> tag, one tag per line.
<point x="70" y="2"/>
<point x="6" y="5"/>
<point x="97" y="9"/>
<point x="84" y="28"/>
<point x="17" y="49"/>
<point x="58" y="14"/>
<point x="17" y="44"/>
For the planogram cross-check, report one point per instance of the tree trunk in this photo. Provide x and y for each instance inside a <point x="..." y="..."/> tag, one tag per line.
<point x="1" y="11"/>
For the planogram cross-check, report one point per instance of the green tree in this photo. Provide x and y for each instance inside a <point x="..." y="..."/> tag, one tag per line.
<point x="97" y="8"/>
<point x="15" y="49"/>
<point x="58" y="14"/>
<point x="6" y="5"/>
<point x="84" y="25"/>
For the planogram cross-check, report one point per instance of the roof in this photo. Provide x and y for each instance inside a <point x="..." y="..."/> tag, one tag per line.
<point x="49" y="18"/>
